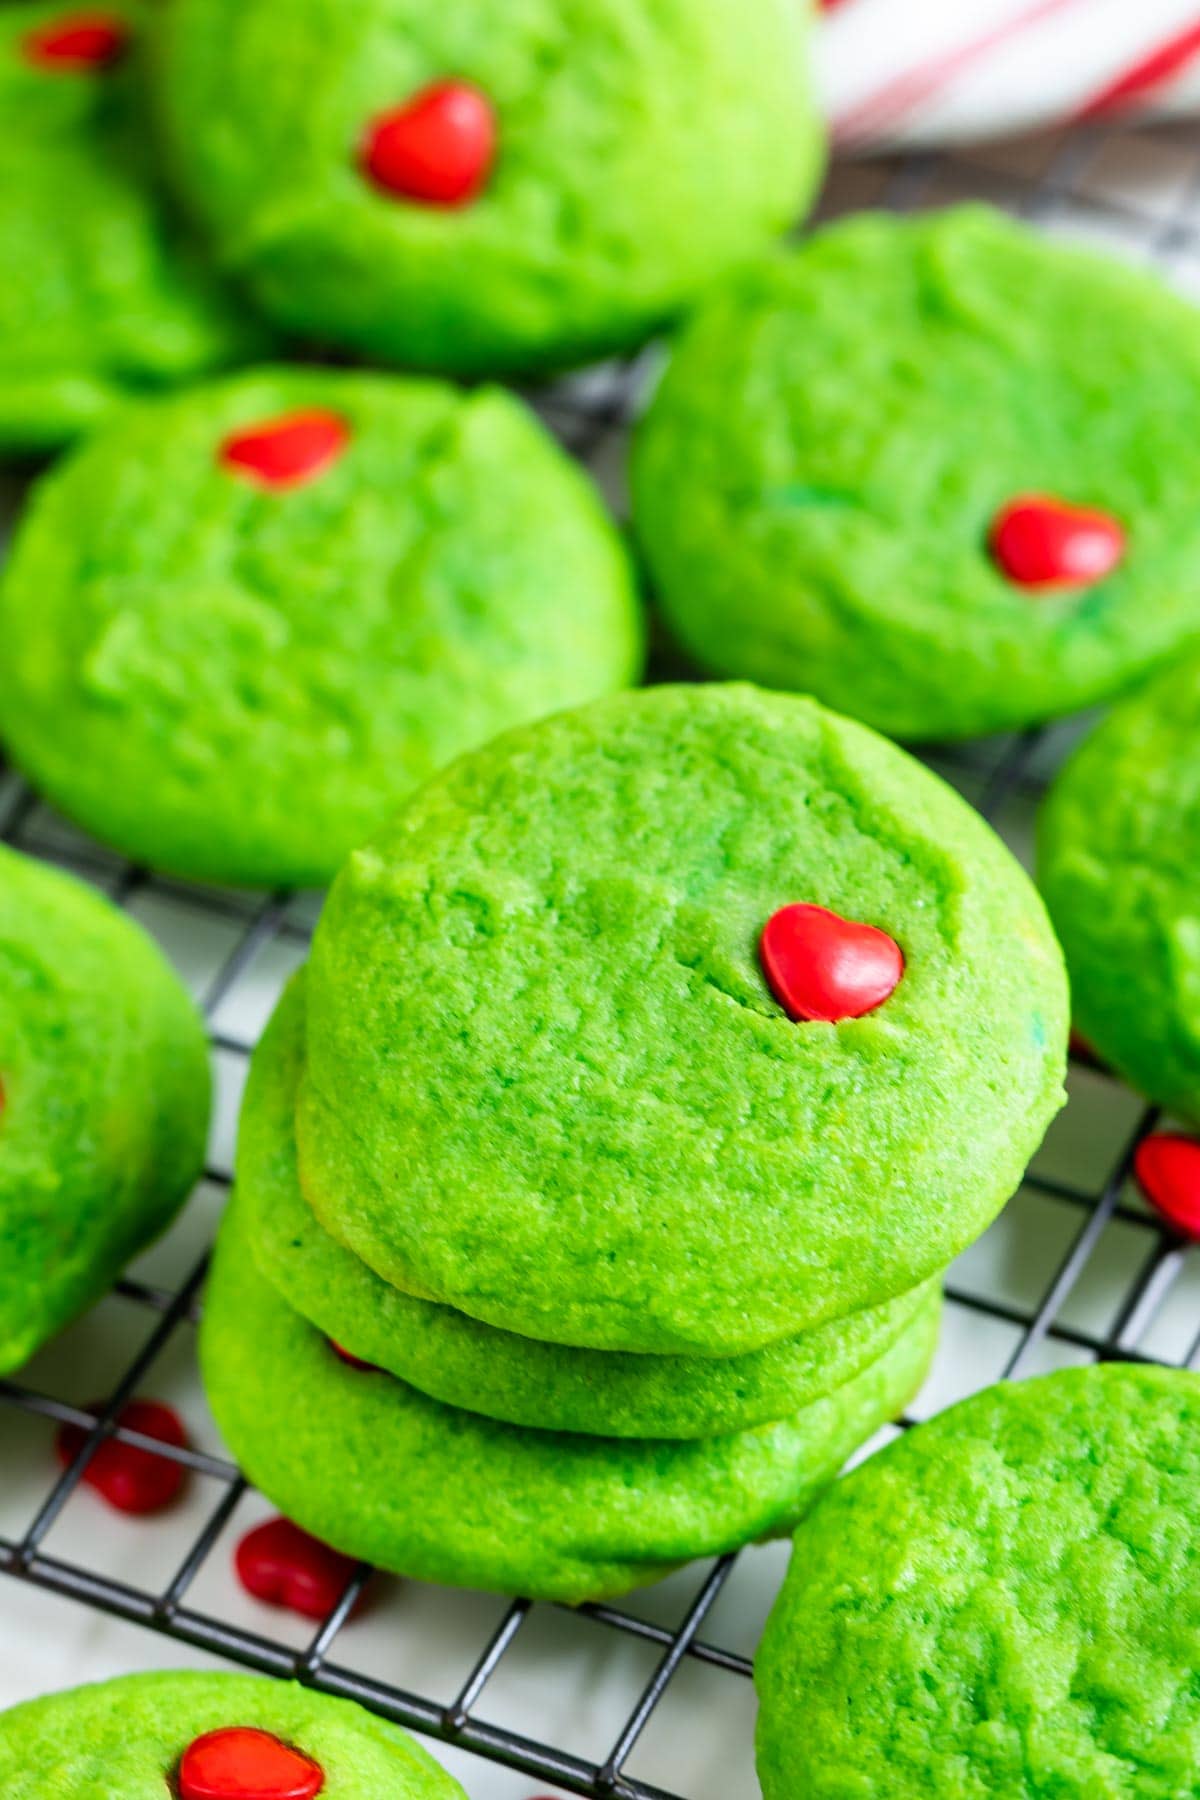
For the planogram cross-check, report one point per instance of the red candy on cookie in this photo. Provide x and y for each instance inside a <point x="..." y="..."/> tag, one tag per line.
<point x="131" y="1479"/>
<point x="353" y="1362"/>
<point x="78" y="41"/>
<point x="822" y="967"/>
<point x="437" y="149"/>
<point x="1041" y="542"/>
<point x="240" y="1762"/>
<point x="1167" y="1167"/>
<point x="279" y="1563"/>
<point x="287" y="452"/>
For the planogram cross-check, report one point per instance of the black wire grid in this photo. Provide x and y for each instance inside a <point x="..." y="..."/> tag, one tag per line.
<point x="591" y="414"/>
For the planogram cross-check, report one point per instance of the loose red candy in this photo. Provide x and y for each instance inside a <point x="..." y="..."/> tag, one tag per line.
<point x="279" y="1563"/>
<point x="80" y="41"/>
<point x="438" y="148"/>
<point x="1040" y="542"/>
<point x="1167" y="1167"/>
<point x="243" y="1763"/>
<point x="823" y="967"/>
<point x="131" y="1479"/>
<point x="352" y="1361"/>
<point x="287" y="452"/>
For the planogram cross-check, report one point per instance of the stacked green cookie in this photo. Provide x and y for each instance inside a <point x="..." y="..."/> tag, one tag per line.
<point x="568" y="1244"/>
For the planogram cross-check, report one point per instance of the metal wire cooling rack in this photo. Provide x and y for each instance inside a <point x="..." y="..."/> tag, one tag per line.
<point x="1077" y="1269"/>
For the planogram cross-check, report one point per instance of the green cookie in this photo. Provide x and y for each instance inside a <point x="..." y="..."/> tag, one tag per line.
<point x="371" y="1466"/>
<point x="546" y="1080"/>
<point x="463" y="1363"/>
<point x="126" y="1740"/>
<point x="1118" y="850"/>
<point x="817" y="482"/>
<point x="642" y="147"/>
<point x="1006" y="1602"/>
<point x="237" y="681"/>
<point x="102" y="296"/>
<point x="103" y="1099"/>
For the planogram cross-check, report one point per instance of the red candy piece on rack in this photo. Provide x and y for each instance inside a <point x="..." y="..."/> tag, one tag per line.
<point x="279" y="1563"/>
<point x="438" y="148"/>
<point x="131" y="1479"/>
<point x="242" y="1763"/>
<point x="823" y="967"/>
<point x="1167" y="1167"/>
<point x="351" y="1361"/>
<point x="287" y="452"/>
<point x="1040" y="542"/>
<point x="78" y="41"/>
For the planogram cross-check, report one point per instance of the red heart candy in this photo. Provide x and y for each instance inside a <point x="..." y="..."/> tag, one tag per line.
<point x="242" y="1763"/>
<point x="131" y="1479"/>
<point x="1041" y="542"/>
<point x="279" y="1563"/>
<point x="823" y="967"/>
<point x="352" y="1361"/>
<point x="1167" y="1167"/>
<point x="81" y="41"/>
<point x="287" y="452"/>
<point x="438" y="148"/>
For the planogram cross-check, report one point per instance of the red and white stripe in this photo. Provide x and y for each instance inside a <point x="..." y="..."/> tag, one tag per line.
<point x="910" y="72"/>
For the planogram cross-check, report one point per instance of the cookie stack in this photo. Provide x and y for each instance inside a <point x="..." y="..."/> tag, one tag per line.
<point x="596" y="1176"/>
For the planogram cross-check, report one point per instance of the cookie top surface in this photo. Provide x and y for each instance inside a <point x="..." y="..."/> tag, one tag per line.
<point x="547" y="1083"/>
<point x="458" y="1360"/>
<point x="103" y="1098"/>
<point x="104" y="296"/>
<point x="243" y="622"/>
<point x="1119" y="843"/>
<point x="630" y="153"/>
<point x="821" y="480"/>
<point x="131" y="1737"/>
<point x="384" y="1474"/>
<point x="1006" y="1601"/>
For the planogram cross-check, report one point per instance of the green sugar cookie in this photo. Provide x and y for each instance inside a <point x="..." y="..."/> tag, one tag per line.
<point x="103" y="1099"/>
<point x="463" y="1363"/>
<point x="938" y="471"/>
<point x="103" y="296"/>
<point x="479" y="189"/>
<point x="1003" y="1602"/>
<point x="142" y="1737"/>
<point x="547" y="1082"/>
<point x="242" y="623"/>
<point x="1118" y="849"/>
<point x="371" y="1466"/>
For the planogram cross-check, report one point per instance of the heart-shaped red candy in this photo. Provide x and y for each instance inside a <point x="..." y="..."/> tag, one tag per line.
<point x="287" y="452"/>
<point x="823" y="967"/>
<point x="1167" y="1166"/>
<point x="437" y="149"/>
<point x="240" y="1762"/>
<point x="89" y="40"/>
<point x="131" y="1479"/>
<point x="279" y="1563"/>
<point x="1041" y="542"/>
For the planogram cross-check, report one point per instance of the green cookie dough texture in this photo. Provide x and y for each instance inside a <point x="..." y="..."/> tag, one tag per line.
<point x="126" y="1737"/>
<point x="371" y="1466"/>
<point x="816" y="480"/>
<point x="464" y="1363"/>
<point x="104" y="1091"/>
<point x="102" y="295"/>
<point x="238" y="683"/>
<point x="545" y="1080"/>
<point x="1004" y="1602"/>
<point x="645" y="146"/>
<point x="1118" y="851"/>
